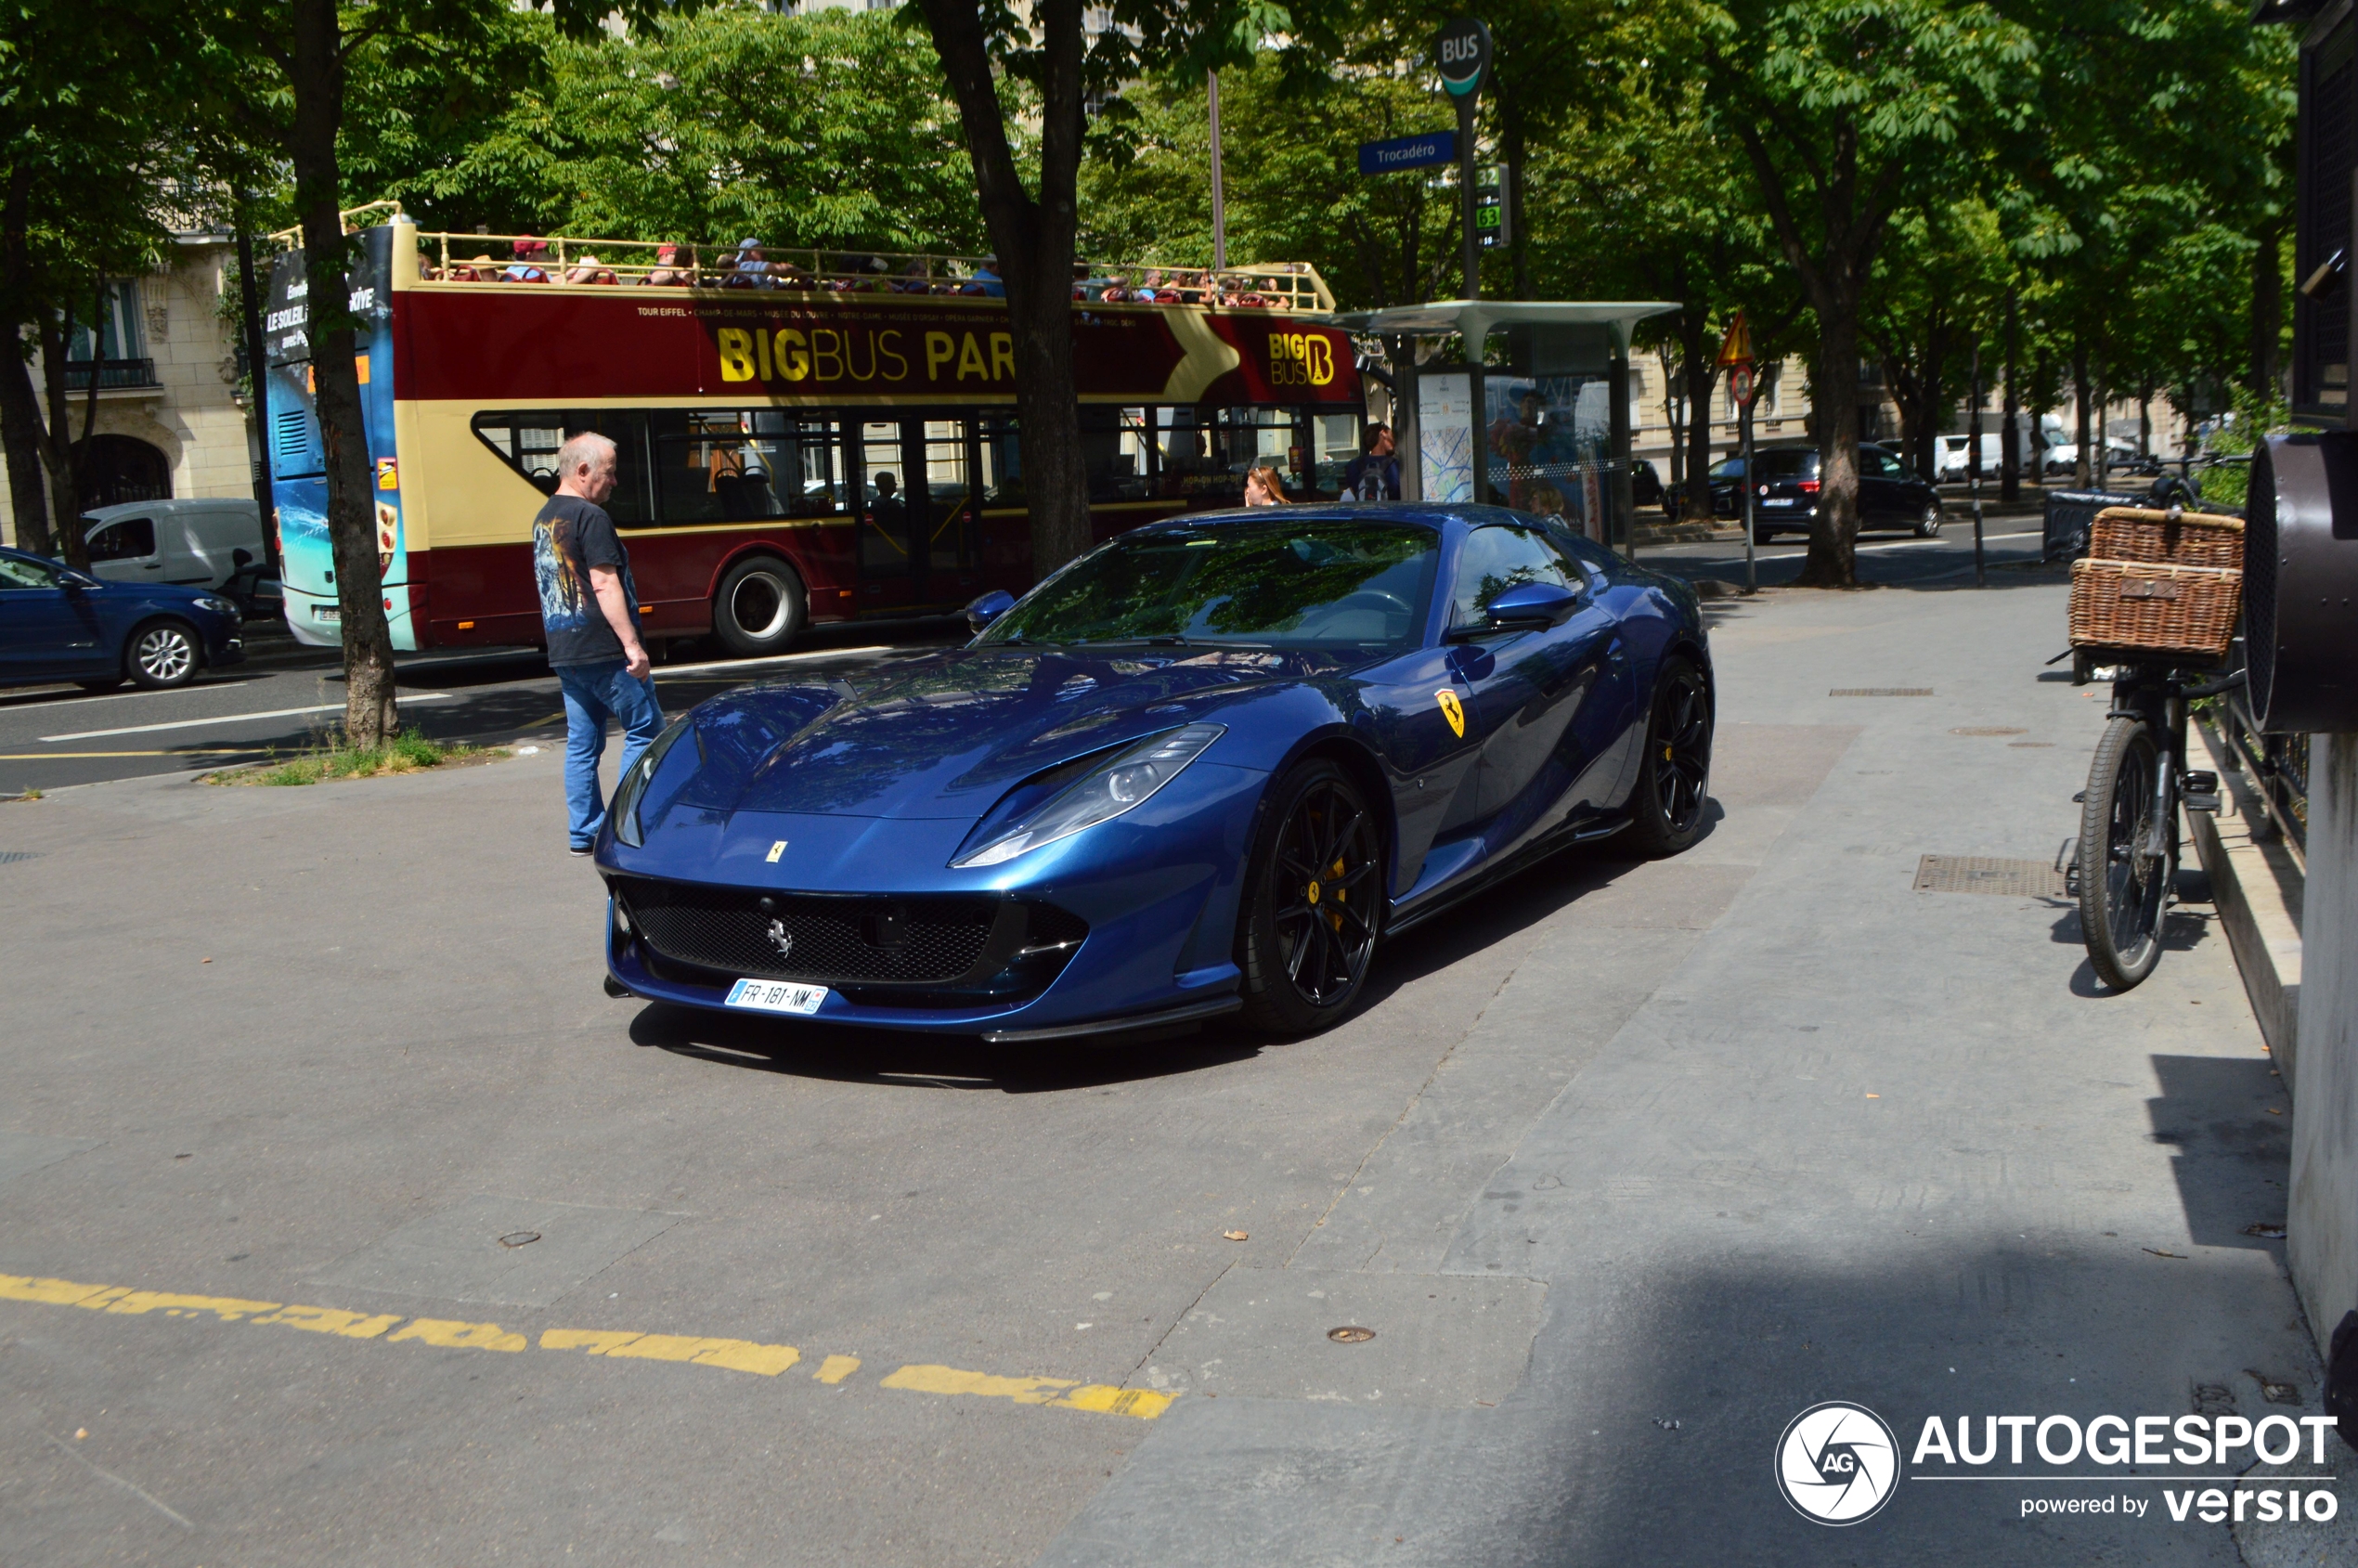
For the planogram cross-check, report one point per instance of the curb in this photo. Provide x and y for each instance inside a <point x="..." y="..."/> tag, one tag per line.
<point x="2257" y="889"/>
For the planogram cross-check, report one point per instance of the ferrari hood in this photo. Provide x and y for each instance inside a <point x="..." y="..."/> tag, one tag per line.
<point x="947" y="735"/>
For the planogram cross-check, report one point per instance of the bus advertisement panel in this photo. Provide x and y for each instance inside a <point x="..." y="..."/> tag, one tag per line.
<point x="787" y="456"/>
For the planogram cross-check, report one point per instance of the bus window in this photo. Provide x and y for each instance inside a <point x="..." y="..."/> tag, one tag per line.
<point x="950" y="499"/>
<point x="1334" y="442"/>
<point x="1116" y="444"/>
<point x="527" y="442"/>
<point x="737" y="466"/>
<point x="1193" y="463"/>
<point x="1001" y="474"/>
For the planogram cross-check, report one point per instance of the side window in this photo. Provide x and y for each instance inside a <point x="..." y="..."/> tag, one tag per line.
<point x="527" y="442"/>
<point x="753" y="465"/>
<point x="16" y="572"/>
<point x="1881" y="464"/>
<point x="126" y="539"/>
<point x="1495" y="559"/>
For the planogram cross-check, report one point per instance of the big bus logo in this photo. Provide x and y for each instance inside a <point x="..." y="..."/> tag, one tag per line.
<point x="1300" y="360"/>
<point x="827" y="355"/>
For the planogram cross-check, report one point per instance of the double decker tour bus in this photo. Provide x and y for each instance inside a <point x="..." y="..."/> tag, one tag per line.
<point x="804" y="438"/>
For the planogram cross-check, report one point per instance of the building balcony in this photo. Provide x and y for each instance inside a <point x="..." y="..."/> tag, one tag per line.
<point x="114" y="375"/>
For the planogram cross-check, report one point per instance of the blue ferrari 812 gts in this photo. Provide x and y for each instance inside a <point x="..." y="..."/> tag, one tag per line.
<point x="1201" y="770"/>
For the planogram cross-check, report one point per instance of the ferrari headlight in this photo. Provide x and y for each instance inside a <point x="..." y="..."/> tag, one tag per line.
<point x="1129" y="778"/>
<point x="632" y="787"/>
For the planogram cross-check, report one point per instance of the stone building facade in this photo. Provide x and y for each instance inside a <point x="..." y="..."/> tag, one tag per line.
<point x="170" y="421"/>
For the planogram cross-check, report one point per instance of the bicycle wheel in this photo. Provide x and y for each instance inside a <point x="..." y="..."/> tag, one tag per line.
<point x="2123" y="885"/>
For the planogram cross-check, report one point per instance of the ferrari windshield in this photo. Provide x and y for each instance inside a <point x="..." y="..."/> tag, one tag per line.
<point x="1337" y="583"/>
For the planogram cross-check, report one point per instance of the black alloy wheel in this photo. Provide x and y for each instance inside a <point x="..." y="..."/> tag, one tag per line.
<point x="1666" y="811"/>
<point x="1314" y="902"/>
<point x="2123" y="882"/>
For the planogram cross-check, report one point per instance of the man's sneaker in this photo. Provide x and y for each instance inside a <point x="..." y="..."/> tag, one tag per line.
<point x="582" y="850"/>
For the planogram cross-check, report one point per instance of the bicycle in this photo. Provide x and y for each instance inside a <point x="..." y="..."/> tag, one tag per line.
<point x="2125" y="863"/>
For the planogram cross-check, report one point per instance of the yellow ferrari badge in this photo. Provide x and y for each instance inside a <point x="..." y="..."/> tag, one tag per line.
<point x="1453" y="711"/>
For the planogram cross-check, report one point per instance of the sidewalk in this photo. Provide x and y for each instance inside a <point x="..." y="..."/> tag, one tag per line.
<point x="1855" y="1141"/>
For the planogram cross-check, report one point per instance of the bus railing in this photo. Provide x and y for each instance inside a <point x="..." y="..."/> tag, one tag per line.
<point x="445" y="257"/>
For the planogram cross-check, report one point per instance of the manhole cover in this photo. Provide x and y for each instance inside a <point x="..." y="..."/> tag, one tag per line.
<point x="9" y="857"/>
<point x="1986" y="730"/>
<point x="1880" y="691"/>
<point x="520" y="1238"/>
<point x="1984" y="873"/>
<point x="1349" y="1335"/>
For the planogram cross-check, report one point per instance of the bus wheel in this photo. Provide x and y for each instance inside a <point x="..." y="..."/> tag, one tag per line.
<point x="759" y="607"/>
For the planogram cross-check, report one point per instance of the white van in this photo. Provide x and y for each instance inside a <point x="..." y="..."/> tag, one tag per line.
<point x="1952" y="453"/>
<point x="192" y="542"/>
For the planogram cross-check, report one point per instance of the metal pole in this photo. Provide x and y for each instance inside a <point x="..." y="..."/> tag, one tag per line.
<point x="1466" y="207"/>
<point x="258" y="375"/>
<point x="1980" y="577"/>
<point x="1219" y="204"/>
<point x="1744" y="429"/>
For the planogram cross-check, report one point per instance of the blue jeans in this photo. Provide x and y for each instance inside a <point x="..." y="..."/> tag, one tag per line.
<point x="595" y="692"/>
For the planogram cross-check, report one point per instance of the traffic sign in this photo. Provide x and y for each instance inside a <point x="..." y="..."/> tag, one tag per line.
<point x="1462" y="50"/>
<point x="1408" y="152"/>
<point x="1740" y="387"/>
<point x="1736" y="348"/>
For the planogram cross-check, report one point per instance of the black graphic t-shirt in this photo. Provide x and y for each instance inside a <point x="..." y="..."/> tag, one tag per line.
<point x="569" y="536"/>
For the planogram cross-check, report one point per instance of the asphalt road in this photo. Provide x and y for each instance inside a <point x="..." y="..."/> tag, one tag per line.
<point x="343" y="1219"/>
<point x="285" y="701"/>
<point x="288" y="698"/>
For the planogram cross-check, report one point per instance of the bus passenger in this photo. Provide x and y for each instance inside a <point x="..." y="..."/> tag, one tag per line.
<point x="668" y="273"/>
<point x="589" y="615"/>
<point x="1262" y="487"/>
<point x="529" y="251"/>
<point x="752" y="268"/>
<point x="590" y="270"/>
<point x="986" y="280"/>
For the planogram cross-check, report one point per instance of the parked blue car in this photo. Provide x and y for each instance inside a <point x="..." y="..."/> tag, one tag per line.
<point x="1199" y="770"/>
<point x="56" y="625"/>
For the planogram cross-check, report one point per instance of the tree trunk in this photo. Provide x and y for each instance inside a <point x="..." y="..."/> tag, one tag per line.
<point x="20" y="429"/>
<point x="20" y="432"/>
<point x="1833" y="560"/>
<point x="370" y="716"/>
<point x="1035" y="240"/>
<point x="2082" y="472"/>
<point x="57" y="446"/>
<point x="1670" y="400"/>
<point x="2010" y="441"/>
<point x="1517" y="242"/>
<point x="1702" y="375"/>
<point x="257" y="387"/>
<point x="2267" y="313"/>
<point x="1932" y="396"/>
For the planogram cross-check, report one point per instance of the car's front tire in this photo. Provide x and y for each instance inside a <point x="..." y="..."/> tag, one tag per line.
<point x="1666" y="810"/>
<point x="163" y="654"/>
<point x="1313" y="902"/>
<point x="1928" y="524"/>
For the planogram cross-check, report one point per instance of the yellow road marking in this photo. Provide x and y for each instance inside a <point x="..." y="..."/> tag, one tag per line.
<point x="613" y="1344"/>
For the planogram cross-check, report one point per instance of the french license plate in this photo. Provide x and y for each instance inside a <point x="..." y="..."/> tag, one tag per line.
<point x="1776" y="501"/>
<point x="326" y="612"/>
<point x="777" y="996"/>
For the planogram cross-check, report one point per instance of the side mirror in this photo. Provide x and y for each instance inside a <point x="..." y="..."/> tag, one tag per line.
<point x="1534" y="604"/>
<point x="989" y="608"/>
<point x="75" y="582"/>
<point x="241" y="558"/>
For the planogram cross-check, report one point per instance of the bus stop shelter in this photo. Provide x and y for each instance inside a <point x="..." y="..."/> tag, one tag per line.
<point x="1547" y="431"/>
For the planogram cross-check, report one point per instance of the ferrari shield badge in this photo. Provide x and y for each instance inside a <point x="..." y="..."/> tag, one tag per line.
<point x="1453" y="711"/>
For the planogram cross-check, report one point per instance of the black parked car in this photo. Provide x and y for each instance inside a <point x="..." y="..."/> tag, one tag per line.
<point x="1891" y="494"/>
<point x="1645" y="486"/>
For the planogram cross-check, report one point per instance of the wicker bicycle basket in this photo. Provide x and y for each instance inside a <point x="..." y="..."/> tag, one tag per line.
<point x="2159" y="582"/>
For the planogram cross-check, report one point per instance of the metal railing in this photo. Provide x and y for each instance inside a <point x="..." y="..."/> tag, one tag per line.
<point x="570" y="260"/>
<point x="2276" y="766"/>
<point x="113" y="374"/>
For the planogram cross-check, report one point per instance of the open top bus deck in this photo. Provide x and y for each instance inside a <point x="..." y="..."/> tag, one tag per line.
<point x="831" y="436"/>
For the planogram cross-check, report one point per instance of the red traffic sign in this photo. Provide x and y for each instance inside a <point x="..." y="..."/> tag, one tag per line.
<point x="1739" y="385"/>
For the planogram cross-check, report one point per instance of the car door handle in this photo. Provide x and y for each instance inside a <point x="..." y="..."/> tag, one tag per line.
<point x="152" y="566"/>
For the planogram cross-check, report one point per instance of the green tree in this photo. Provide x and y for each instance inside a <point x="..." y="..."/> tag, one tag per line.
<point x="1850" y="111"/>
